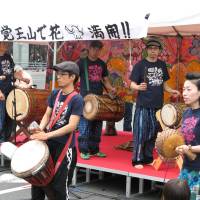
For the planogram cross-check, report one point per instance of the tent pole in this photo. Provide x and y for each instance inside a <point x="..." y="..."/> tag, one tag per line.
<point x="54" y="63"/>
<point x="179" y="44"/>
<point x="130" y="55"/>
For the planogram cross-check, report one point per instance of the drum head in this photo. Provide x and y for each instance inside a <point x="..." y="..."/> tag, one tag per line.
<point x="167" y="141"/>
<point x="91" y="107"/>
<point x="29" y="157"/>
<point x="168" y="115"/>
<point x="22" y="104"/>
<point x="170" y="144"/>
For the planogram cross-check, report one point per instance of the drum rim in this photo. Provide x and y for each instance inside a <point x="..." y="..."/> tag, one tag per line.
<point x="175" y="117"/>
<point x="26" y="105"/>
<point x="119" y="112"/>
<point x="161" y="142"/>
<point x="35" y="168"/>
<point x="93" y="99"/>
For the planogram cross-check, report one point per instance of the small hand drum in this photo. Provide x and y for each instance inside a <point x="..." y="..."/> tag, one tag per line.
<point x="171" y="114"/>
<point x="167" y="141"/>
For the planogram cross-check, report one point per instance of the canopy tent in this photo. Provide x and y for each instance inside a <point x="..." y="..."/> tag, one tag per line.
<point x="188" y="25"/>
<point x="85" y="20"/>
<point x="184" y="30"/>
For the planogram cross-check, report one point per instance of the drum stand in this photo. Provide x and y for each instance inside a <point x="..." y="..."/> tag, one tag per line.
<point x="158" y="161"/>
<point x="14" y="106"/>
<point x="110" y="128"/>
<point x="22" y="128"/>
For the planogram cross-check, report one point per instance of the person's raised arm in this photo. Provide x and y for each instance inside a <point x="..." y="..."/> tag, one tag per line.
<point x="170" y="90"/>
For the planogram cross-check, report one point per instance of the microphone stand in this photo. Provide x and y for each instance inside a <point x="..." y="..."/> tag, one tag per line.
<point x="14" y="106"/>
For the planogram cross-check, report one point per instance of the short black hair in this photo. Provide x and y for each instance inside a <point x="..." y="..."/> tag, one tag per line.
<point x="194" y="77"/>
<point x="76" y="77"/>
<point x="176" y="189"/>
<point x="96" y="44"/>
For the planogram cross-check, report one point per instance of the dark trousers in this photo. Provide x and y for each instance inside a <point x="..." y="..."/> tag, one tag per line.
<point x="2" y="120"/>
<point x="89" y="135"/>
<point x="128" y="115"/>
<point x="7" y="125"/>
<point x="57" y="189"/>
<point x="145" y="131"/>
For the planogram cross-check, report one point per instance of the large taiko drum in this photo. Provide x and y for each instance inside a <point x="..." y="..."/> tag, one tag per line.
<point x="32" y="162"/>
<point x="103" y="108"/>
<point x="167" y="141"/>
<point x="171" y="114"/>
<point x="30" y="104"/>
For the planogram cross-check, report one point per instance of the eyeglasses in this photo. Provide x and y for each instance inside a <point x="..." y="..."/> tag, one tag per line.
<point x="59" y="73"/>
<point x="153" y="48"/>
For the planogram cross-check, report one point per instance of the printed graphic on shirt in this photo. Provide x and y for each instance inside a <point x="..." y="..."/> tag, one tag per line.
<point x="6" y="67"/>
<point x="155" y="76"/>
<point x="94" y="73"/>
<point x="62" y="120"/>
<point x="188" y="128"/>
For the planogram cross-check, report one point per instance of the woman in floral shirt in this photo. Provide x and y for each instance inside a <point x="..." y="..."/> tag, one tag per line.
<point x="191" y="131"/>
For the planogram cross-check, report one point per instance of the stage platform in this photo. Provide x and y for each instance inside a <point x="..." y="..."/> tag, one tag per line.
<point x="119" y="162"/>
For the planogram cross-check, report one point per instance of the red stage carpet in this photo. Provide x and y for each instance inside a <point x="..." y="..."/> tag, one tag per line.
<point x="120" y="160"/>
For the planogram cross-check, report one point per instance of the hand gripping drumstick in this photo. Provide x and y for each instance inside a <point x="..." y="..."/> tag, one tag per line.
<point x="192" y="156"/>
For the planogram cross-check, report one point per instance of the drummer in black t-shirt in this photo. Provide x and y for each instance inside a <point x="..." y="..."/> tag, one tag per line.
<point x="149" y="78"/>
<point x="6" y="76"/>
<point x="93" y="76"/>
<point x="61" y="119"/>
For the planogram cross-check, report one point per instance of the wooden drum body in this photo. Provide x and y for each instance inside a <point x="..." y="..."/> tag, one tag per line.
<point x="103" y="108"/>
<point x="171" y="114"/>
<point x="167" y="141"/>
<point x="32" y="162"/>
<point x="31" y="104"/>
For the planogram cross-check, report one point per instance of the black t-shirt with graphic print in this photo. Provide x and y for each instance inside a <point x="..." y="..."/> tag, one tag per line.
<point x="190" y="129"/>
<point x="154" y="74"/>
<point x="6" y="69"/>
<point x="74" y="107"/>
<point x="96" y="71"/>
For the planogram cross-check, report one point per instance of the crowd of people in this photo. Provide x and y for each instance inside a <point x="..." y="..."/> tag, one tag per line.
<point x="64" y="114"/>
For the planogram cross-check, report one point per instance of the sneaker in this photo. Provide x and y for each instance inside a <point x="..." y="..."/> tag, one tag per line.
<point x="85" y="156"/>
<point x="99" y="154"/>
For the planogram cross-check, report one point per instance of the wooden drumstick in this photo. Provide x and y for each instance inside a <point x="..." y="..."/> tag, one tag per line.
<point x="145" y="74"/>
<point x="109" y="94"/>
<point x="192" y="156"/>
